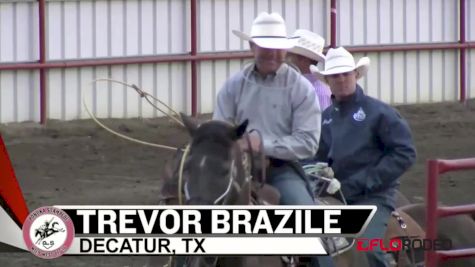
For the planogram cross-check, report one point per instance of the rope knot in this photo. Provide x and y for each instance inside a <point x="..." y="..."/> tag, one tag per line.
<point x="139" y="91"/>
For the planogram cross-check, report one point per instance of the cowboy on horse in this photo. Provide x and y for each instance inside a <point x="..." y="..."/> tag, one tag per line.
<point x="281" y="105"/>
<point x="365" y="142"/>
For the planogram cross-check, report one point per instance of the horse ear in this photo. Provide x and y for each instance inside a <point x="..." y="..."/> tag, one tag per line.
<point x="241" y="129"/>
<point x="190" y="125"/>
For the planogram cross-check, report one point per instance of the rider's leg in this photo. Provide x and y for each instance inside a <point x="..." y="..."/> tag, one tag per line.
<point x="376" y="229"/>
<point x="294" y="190"/>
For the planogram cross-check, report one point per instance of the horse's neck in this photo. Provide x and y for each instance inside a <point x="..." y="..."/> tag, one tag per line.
<point x="169" y="187"/>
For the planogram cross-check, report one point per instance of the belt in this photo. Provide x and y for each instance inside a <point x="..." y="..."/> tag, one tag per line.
<point x="273" y="162"/>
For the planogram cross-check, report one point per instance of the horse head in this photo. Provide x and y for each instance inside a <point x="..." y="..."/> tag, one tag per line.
<point x="213" y="168"/>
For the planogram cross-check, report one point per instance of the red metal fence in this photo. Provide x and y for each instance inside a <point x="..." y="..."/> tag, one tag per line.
<point x="194" y="56"/>
<point x="434" y="212"/>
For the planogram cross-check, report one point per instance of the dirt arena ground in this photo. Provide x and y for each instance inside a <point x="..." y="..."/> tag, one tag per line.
<point x="79" y="163"/>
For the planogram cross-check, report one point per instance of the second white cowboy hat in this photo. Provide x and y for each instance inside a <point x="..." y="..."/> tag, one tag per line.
<point x="309" y="44"/>
<point x="339" y="60"/>
<point x="268" y="31"/>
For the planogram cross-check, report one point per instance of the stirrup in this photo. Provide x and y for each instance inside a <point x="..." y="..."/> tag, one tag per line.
<point x="289" y="260"/>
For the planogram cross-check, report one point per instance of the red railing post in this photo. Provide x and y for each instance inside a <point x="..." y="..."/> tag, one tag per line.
<point x="194" y="51"/>
<point x="333" y="23"/>
<point x="42" y="60"/>
<point x="431" y="258"/>
<point x="462" y="40"/>
<point x="434" y="212"/>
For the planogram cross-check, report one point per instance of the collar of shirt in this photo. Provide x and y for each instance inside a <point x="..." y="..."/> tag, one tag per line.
<point x="280" y="71"/>
<point x="356" y="97"/>
<point x="311" y="77"/>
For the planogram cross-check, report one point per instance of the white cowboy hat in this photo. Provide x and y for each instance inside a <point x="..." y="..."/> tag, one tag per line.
<point x="339" y="60"/>
<point x="268" y="31"/>
<point x="309" y="44"/>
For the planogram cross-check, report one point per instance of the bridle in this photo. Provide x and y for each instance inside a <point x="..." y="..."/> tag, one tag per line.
<point x="223" y="198"/>
<point x="232" y="186"/>
<point x="225" y="195"/>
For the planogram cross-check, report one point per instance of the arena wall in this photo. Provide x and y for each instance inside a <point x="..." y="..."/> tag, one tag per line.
<point x="119" y="29"/>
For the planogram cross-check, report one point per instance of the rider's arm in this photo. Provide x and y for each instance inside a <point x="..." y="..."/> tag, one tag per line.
<point x="325" y="139"/>
<point x="399" y="152"/>
<point x="323" y="149"/>
<point x="225" y="104"/>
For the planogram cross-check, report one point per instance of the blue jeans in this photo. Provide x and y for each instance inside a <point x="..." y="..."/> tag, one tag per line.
<point x="376" y="229"/>
<point x="295" y="190"/>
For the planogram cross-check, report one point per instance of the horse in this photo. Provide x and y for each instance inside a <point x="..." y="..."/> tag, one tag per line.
<point x="216" y="171"/>
<point x="459" y="229"/>
<point x="400" y="225"/>
<point x="401" y="200"/>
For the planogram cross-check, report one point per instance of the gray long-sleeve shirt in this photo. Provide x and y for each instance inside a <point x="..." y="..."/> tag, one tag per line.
<point x="282" y="106"/>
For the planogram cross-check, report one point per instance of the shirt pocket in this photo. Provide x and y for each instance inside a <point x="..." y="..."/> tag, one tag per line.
<point x="279" y="107"/>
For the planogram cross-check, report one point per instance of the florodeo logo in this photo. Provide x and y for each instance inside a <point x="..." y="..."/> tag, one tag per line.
<point x="403" y="243"/>
<point x="48" y="232"/>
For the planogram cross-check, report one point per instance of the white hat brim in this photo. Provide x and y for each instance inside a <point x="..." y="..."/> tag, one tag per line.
<point x="307" y="53"/>
<point x="242" y="35"/>
<point x="268" y="42"/>
<point x="361" y="70"/>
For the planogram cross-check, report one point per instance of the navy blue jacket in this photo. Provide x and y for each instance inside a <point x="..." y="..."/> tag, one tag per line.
<point x="368" y="145"/>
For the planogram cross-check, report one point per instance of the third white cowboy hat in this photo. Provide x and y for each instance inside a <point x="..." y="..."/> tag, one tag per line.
<point x="339" y="60"/>
<point x="268" y="31"/>
<point x="309" y="44"/>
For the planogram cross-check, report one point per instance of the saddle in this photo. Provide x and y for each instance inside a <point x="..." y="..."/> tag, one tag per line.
<point x="402" y="225"/>
<point x="335" y="245"/>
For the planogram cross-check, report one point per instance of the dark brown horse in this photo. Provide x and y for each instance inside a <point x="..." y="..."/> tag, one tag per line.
<point x="222" y="175"/>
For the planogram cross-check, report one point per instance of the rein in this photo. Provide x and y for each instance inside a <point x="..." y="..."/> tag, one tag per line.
<point x="222" y="198"/>
<point x="262" y="157"/>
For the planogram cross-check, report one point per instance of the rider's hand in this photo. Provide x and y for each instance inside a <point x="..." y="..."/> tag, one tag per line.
<point x="333" y="186"/>
<point x="324" y="171"/>
<point x="254" y="142"/>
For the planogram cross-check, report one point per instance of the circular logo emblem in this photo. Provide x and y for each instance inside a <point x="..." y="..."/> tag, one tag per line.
<point x="48" y="232"/>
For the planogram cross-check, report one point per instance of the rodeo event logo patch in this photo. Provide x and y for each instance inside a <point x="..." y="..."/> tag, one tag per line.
<point x="48" y="232"/>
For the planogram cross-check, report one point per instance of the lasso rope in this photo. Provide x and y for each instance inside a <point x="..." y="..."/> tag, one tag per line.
<point x="180" y="174"/>
<point x="144" y="95"/>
